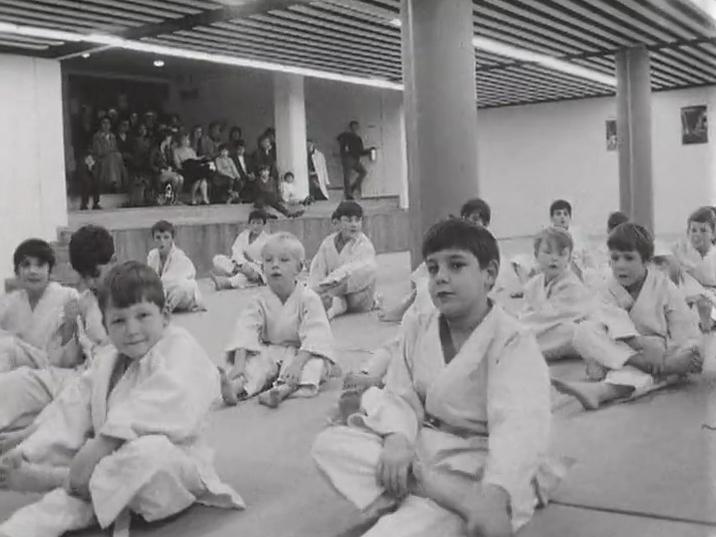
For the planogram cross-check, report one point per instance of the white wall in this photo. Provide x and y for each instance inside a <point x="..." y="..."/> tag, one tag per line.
<point x="33" y="201"/>
<point x="245" y="97"/>
<point x="530" y="155"/>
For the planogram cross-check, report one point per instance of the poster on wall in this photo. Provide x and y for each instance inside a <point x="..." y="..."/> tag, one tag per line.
<point x="611" y="134"/>
<point x="694" y="126"/>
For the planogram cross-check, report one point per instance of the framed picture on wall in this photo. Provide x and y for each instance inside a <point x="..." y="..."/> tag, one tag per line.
<point x="694" y="125"/>
<point x="611" y="134"/>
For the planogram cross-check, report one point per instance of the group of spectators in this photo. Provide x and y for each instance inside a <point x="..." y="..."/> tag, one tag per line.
<point x="156" y="160"/>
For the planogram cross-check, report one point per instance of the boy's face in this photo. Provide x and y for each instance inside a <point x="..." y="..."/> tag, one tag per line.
<point x="33" y="275"/>
<point x="350" y="226"/>
<point x="475" y="218"/>
<point x="136" y="329"/>
<point x="280" y="266"/>
<point x="240" y="150"/>
<point x="561" y="218"/>
<point x="264" y="175"/>
<point x="256" y="226"/>
<point x="551" y="260"/>
<point x="457" y="283"/>
<point x="701" y="236"/>
<point x="224" y="153"/>
<point x="288" y="178"/>
<point x="163" y="241"/>
<point x="627" y="266"/>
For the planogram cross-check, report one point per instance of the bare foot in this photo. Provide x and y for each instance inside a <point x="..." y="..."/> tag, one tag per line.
<point x="683" y="362"/>
<point x="584" y="392"/>
<point x="22" y="476"/>
<point x="270" y="398"/>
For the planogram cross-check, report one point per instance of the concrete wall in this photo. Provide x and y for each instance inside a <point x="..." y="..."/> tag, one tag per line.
<point x="530" y="155"/>
<point x="33" y="201"/>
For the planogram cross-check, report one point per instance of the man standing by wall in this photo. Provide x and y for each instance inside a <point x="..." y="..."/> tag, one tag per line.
<point x="351" y="151"/>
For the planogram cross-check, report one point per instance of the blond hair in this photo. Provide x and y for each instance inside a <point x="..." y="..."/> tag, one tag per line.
<point x="555" y="236"/>
<point x="289" y="241"/>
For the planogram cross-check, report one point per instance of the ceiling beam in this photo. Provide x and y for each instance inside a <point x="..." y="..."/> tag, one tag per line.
<point x="205" y="18"/>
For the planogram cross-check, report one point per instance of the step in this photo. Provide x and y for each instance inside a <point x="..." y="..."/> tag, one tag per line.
<point x="108" y="201"/>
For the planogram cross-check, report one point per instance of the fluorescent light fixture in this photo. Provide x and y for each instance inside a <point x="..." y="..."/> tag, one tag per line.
<point x="706" y="6"/>
<point x="516" y="53"/>
<point x="396" y="22"/>
<point x="86" y="55"/>
<point x="158" y="63"/>
<point x="174" y="52"/>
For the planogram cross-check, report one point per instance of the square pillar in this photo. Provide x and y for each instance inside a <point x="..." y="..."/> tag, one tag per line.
<point x="290" y="123"/>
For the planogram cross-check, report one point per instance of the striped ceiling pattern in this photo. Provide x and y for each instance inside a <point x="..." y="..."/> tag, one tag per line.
<point x="361" y="37"/>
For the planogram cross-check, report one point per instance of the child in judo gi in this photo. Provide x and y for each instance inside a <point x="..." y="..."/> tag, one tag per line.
<point x="555" y="299"/>
<point x="283" y="333"/>
<point x="644" y="336"/>
<point x="26" y="390"/>
<point x="37" y="320"/>
<point x="243" y="268"/>
<point x="343" y="271"/>
<point x="175" y="269"/>
<point x="128" y="437"/>
<point x="454" y="443"/>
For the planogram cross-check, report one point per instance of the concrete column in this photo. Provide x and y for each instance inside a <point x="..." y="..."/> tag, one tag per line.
<point x="636" y="195"/>
<point x="290" y="123"/>
<point x="440" y="110"/>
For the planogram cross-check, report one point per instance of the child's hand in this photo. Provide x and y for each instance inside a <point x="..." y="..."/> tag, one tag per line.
<point x="84" y="462"/>
<point x="394" y="465"/>
<point x="489" y="517"/>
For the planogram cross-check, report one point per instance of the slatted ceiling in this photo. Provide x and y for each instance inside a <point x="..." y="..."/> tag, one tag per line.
<point x="356" y="37"/>
<point x="306" y="47"/>
<point x="237" y="45"/>
<point x="348" y="39"/>
<point x="301" y="35"/>
<point x="275" y="54"/>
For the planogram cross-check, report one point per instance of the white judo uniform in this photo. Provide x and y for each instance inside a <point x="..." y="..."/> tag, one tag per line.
<point x="178" y="276"/>
<point x="483" y="417"/>
<point x="273" y="333"/>
<point x="553" y="310"/>
<point x="659" y="312"/>
<point x="243" y="252"/>
<point x="356" y="260"/>
<point x="158" y="407"/>
<point x="27" y="390"/>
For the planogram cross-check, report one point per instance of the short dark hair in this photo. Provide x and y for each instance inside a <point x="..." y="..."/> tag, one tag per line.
<point x="558" y="205"/>
<point x="616" y="218"/>
<point x="258" y="214"/>
<point x="629" y="237"/>
<point x="263" y="167"/>
<point x="241" y="143"/>
<point x="334" y="215"/>
<point x="348" y="208"/>
<point x="37" y="248"/>
<point x="287" y="174"/>
<point x="90" y="247"/>
<point x="479" y="206"/>
<point x="163" y="226"/>
<point x="353" y="122"/>
<point x="130" y="283"/>
<point x="462" y="235"/>
<point x="223" y="146"/>
<point x="703" y="215"/>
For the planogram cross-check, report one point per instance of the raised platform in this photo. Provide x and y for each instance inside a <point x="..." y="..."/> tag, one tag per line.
<point x="204" y="231"/>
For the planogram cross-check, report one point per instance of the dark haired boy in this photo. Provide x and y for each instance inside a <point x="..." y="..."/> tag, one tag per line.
<point x="645" y="336"/>
<point x="243" y="268"/>
<point x="129" y="438"/>
<point x="176" y="270"/>
<point x="464" y="370"/>
<point x="343" y="271"/>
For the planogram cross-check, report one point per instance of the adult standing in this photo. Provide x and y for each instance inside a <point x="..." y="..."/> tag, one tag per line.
<point x="352" y="150"/>
<point x="317" y="172"/>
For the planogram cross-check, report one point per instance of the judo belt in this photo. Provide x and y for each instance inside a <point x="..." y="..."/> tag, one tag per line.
<point x="431" y="422"/>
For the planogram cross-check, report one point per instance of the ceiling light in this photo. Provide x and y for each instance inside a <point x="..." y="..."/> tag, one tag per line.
<point x="396" y="22"/>
<point x="158" y="63"/>
<point x="516" y="53"/>
<point x="706" y="6"/>
<point x="86" y="55"/>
